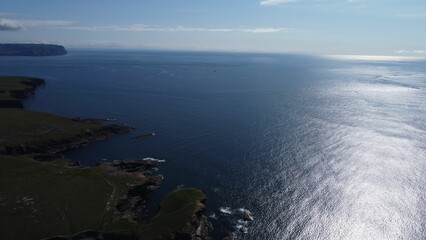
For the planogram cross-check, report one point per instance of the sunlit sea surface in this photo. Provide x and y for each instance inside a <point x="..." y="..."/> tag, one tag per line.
<point x="315" y="148"/>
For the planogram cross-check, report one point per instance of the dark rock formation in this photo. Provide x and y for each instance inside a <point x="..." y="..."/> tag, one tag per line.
<point x="231" y="236"/>
<point x="199" y="228"/>
<point x="35" y="50"/>
<point x="132" y="205"/>
<point x="247" y="216"/>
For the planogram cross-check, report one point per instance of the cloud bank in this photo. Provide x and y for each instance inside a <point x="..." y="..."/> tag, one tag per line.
<point x="16" y="25"/>
<point x="275" y="2"/>
<point x="150" y="28"/>
<point x="403" y="51"/>
<point x="6" y="25"/>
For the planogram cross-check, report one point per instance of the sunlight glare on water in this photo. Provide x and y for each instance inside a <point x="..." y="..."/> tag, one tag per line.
<point x="368" y="181"/>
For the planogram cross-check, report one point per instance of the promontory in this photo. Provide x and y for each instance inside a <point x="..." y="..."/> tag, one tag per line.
<point x="34" y="50"/>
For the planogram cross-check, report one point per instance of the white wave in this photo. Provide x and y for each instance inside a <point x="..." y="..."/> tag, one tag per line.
<point x="242" y="222"/>
<point x="242" y="228"/>
<point x="213" y="216"/>
<point x="244" y="210"/>
<point x="225" y="210"/>
<point x="154" y="159"/>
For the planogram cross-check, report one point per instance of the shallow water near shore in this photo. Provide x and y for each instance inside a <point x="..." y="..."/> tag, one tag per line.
<point x="315" y="148"/>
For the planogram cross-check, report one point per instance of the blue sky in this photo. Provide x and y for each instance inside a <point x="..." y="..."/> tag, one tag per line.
<point x="373" y="27"/>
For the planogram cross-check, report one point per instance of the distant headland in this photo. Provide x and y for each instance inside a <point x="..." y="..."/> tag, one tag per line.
<point x="34" y="50"/>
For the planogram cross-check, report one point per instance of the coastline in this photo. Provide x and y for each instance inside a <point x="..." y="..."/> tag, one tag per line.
<point x="129" y="181"/>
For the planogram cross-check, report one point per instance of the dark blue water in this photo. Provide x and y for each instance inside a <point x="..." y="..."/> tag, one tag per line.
<point x="315" y="148"/>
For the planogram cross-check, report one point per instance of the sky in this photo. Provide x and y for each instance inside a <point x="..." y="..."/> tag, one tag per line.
<point x="362" y="27"/>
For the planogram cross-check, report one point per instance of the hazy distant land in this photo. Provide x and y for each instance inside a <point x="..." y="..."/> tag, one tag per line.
<point x="35" y="50"/>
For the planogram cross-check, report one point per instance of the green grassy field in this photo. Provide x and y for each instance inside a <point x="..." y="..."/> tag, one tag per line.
<point x="46" y="199"/>
<point x="24" y="126"/>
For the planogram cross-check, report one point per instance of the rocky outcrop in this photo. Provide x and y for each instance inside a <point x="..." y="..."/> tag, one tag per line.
<point x="144" y="135"/>
<point x="202" y="228"/>
<point x="132" y="205"/>
<point x="199" y="227"/>
<point x="34" y="50"/>
<point x="231" y="236"/>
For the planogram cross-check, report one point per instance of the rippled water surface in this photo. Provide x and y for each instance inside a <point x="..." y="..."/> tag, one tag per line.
<point x="315" y="148"/>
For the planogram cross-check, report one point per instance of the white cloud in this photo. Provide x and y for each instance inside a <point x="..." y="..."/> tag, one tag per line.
<point x="6" y="25"/>
<point x="150" y="28"/>
<point x="275" y="2"/>
<point x="403" y="51"/>
<point x="43" y="23"/>
<point x="15" y="25"/>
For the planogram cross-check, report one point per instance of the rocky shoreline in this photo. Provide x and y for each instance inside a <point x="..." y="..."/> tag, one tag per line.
<point x="199" y="228"/>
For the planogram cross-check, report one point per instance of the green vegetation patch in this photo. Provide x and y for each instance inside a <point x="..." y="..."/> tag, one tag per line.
<point x="19" y="126"/>
<point x="40" y="200"/>
<point x="176" y="211"/>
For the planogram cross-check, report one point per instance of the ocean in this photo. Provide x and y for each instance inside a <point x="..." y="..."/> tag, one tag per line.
<point x="314" y="147"/>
